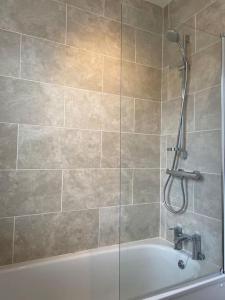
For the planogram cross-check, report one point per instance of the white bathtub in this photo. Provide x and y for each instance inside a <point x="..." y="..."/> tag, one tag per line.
<point x="145" y="267"/>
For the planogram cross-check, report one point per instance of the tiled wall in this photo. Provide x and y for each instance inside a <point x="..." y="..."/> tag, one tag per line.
<point x="60" y="124"/>
<point x="202" y="20"/>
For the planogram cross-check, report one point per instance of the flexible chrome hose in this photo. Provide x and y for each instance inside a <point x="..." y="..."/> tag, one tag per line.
<point x="179" y="147"/>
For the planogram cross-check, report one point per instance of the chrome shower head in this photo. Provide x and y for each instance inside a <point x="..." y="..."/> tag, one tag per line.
<point x="173" y="36"/>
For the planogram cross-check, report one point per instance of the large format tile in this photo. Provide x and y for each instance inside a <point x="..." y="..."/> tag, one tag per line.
<point x="128" y="43"/>
<point x="42" y="60"/>
<point x="127" y="114"/>
<point x="91" y="188"/>
<point x="6" y="241"/>
<point x="146" y="186"/>
<point x="181" y="10"/>
<point x="29" y="192"/>
<point x="208" y="196"/>
<point x="30" y="103"/>
<point x="83" y="109"/>
<point x="147" y="116"/>
<point x="110" y="150"/>
<point x="206" y="68"/>
<point x="171" y="115"/>
<point x="8" y="146"/>
<point x="211" y="19"/>
<point x="111" y="75"/>
<point x="204" y="152"/>
<point x="126" y="196"/>
<point x="110" y="114"/>
<point x="149" y="48"/>
<point x="54" y="148"/>
<point x="53" y="234"/>
<point x="43" y="18"/>
<point x="112" y="9"/>
<point x="208" y="109"/>
<point x="95" y="6"/>
<point x="140" y="151"/>
<point x="9" y="53"/>
<point x="146" y="16"/>
<point x="109" y="226"/>
<point x="83" y="69"/>
<point x="50" y="62"/>
<point x="138" y="222"/>
<point x="140" y="81"/>
<point x="94" y="33"/>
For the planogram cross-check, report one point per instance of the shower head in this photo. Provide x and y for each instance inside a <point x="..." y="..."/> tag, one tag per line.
<point x="173" y="36"/>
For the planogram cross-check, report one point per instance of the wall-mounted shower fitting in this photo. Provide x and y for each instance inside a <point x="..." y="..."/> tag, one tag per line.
<point x="180" y="238"/>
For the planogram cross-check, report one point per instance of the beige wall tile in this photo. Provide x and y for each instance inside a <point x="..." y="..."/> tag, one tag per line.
<point x="83" y="109"/>
<point x="204" y="152"/>
<point x="127" y="114"/>
<point x="208" y="109"/>
<point x="53" y="234"/>
<point x="42" y="60"/>
<point x="206" y="68"/>
<point x="147" y="116"/>
<point x="208" y="196"/>
<point x="149" y="48"/>
<point x="95" y="6"/>
<point x="128" y="43"/>
<point x="31" y="103"/>
<point x="126" y="196"/>
<point x="53" y="148"/>
<point x="109" y="226"/>
<point x="181" y="10"/>
<point x="211" y="19"/>
<point x="110" y="112"/>
<point x="45" y="18"/>
<point x="140" y="81"/>
<point x="9" y="53"/>
<point x="171" y="115"/>
<point x="139" y="222"/>
<point x="8" y="146"/>
<point x="113" y="9"/>
<point x="92" y="32"/>
<point x="78" y="64"/>
<point x="110" y="150"/>
<point x="146" y="186"/>
<point x="94" y="188"/>
<point x="30" y="192"/>
<point x="6" y="238"/>
<point x="145" y="16"/>
<point x="140" y="151"/>
<point x="111" y="75"/>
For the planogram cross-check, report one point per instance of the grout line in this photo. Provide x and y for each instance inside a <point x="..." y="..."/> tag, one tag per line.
<point x="206" y="48"/>
<point x="194" y="112"/>
<point x="13" y="239"/>
<point x="79" y="210"/>
<point x="84" y="130"/>
<point x="20" y="69"/>
<point x="66" y="29"/>
<point x="99" y="227"/>
<point x="101" y="151"/>
<point x="17" y="146"/>
<point x="132" y="187"/>
<point x="62" y="190"/>
<point x="195" y="32"/>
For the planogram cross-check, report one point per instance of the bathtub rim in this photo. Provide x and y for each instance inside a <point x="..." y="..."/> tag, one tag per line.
<point x="194" y="285"/>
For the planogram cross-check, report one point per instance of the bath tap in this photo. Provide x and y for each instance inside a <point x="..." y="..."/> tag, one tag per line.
<point x="180" y="237"/>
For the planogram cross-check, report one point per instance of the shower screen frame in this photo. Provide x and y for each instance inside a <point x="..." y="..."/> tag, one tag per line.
<point x="223" y="141"/>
